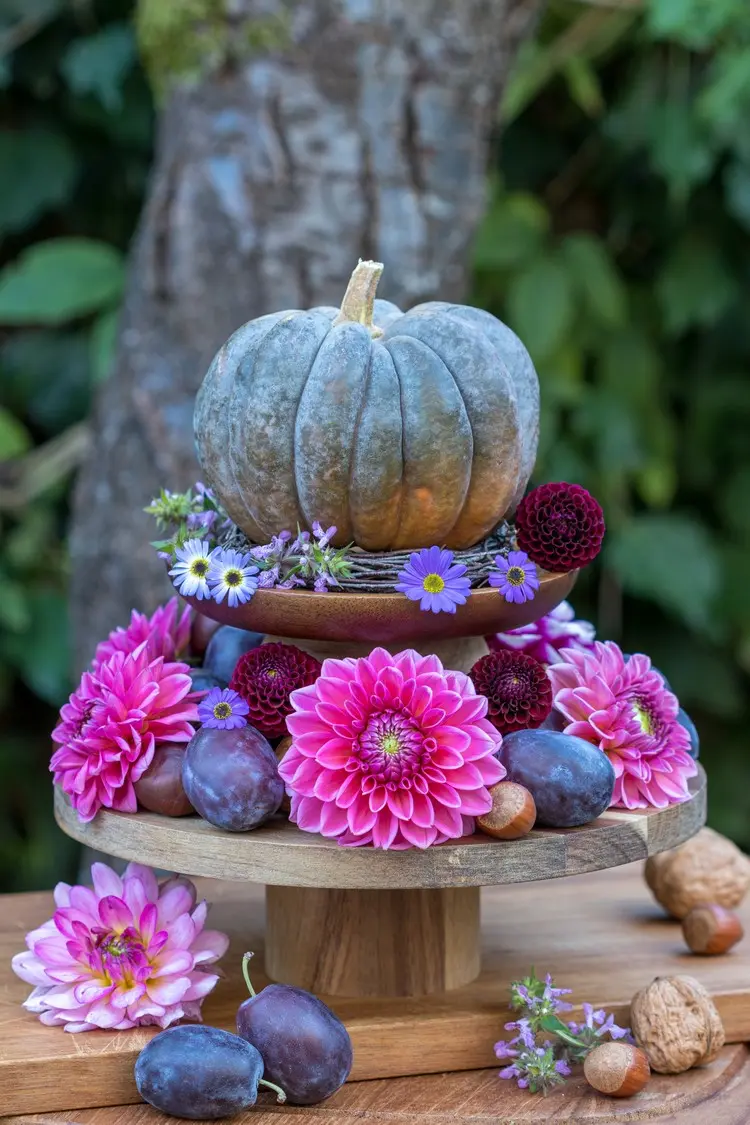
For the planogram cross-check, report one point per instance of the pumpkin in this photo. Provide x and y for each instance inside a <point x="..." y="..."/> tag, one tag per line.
<point x="402" y="429"/>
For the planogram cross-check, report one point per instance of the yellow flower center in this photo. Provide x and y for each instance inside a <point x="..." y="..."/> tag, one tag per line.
<point x="433" y="584"/>
<point x="389" y="744"/>
<point x="233" y="577"/>
<point x="516" y="575"/>
<point x="199" y="567"/>
<point x="222" y="710"/>
<point x="272" y="672"/>
<point x="644" y="718"/>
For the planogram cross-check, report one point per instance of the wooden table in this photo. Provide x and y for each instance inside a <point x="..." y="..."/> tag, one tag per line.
<point x="614" y="941"/>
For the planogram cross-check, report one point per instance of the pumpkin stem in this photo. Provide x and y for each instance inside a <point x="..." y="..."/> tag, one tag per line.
<point x="357" y="304"/>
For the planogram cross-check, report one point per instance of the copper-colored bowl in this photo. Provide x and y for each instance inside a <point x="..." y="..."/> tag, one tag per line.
<point x="383" y="618"/>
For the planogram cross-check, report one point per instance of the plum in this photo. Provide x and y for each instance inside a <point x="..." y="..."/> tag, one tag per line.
<point x="160" y="788"/>
<point x="200" y="1072"/>
<point x="554" y="721"/>
<point x="305" y="1047"/>
<point x="201" y="631"/>
<point x="204" y="681"/>
<point x="225" y="648"/>
<point x="570" y="780"/>
<point x="685" y="721"/>
<point x="231" y="777"/>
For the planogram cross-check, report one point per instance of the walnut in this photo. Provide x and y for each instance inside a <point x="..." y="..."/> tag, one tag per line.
<point x="708" y="868"/>
<point x="676" y="1023"/>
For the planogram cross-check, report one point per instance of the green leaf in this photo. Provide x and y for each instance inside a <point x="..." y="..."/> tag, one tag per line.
<point x="540" y="305"/>
<point x="14" y="609"/>
<point x="694" y="287"/>
<point x="44" y="171"/>
<point x="42" y="653"/>
<point x="56" y="281"/>
<point x="596" y="278"/>
<point x="671" y="560"/>
<point x="15" y="439"/>
<point x="583" y="85"/>
<point x="512" y="232"/>
<point x="99" y="64"/>
<point x="46" y="377"/>
<point x="682" y="150"/>
<point x="695" y="23"/>
<point x="737" y="191"/>
<point x="102" y="344"/>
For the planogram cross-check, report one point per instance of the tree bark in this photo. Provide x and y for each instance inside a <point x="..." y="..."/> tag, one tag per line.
<point x="366" y="134"/>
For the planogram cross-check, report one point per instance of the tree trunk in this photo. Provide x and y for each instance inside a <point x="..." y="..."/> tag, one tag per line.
<point x="364" y="134"/>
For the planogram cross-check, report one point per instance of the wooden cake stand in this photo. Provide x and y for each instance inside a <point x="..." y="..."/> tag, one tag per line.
<point x="361" y="922"/>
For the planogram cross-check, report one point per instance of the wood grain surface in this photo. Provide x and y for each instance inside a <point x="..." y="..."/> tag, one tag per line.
<point x="279" y="854"/>
<point x="599" y="934"/>
<point x="718" y="1094"/>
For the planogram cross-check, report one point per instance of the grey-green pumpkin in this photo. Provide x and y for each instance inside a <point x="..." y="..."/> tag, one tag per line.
<point x="402" y="429"/>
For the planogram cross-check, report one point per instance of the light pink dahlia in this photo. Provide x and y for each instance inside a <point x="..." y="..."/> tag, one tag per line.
<point x="125" y="954"/>
<point x="167" y="632"/>
<point x="544" y="639"/>
<point x="111" y="724"/>
<point x="623" y="707"/>
<point x="392" y="751"/>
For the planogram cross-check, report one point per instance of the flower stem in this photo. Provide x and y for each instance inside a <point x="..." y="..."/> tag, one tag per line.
<point x="357" y="305"/>
<point x="558" y="1028"/>
<point x="246" y="974"/>
<point x="280" y="1095"/>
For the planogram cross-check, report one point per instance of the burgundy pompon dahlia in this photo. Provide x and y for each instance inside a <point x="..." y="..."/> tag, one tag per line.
<point x="517" y="689"/>
<point x="560" y="526"/>
<point x="265" y="677"/>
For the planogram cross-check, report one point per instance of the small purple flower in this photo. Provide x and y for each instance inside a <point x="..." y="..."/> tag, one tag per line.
<point x="201" y="521"/>
<point x="515" y="578"/>
<point x="269" y="578"/>
<point x="562" y="1068"/>
<point x="323" y="537"/>
<point x="190" y="571"/>
<point x="232" y="575"/>
<point x="432" y="578"/>
<point x="223" y="709"/>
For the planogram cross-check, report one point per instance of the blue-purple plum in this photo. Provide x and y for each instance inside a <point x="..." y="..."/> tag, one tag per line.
<point x="204" y="681"/>
<point x="225" y="648"/>
<point x="570" y="780"/>
<point x="305" y="1047"/>
<point x="231" y="777"/>
<point x="685" y="721"/>
<point x="554" y="721"/>
<point x="200" y="1073"/>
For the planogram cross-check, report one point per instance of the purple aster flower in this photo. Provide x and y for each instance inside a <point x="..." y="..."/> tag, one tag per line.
<point x="269" y="578"/>
<point x="323" y="537"/>
<point x="232" y="576"/>
<point x="224" y="709"/>
<point x="201" y="521"/>
<point x="515" y="578"/>
<point x="432" y="578"/>
<point x="190" y="571"/>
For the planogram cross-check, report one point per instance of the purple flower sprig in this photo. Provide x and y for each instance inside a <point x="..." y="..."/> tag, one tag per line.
<point x="195" y="514"/>
<point x="308" y="559"/>
<point x="537" y="1066"/>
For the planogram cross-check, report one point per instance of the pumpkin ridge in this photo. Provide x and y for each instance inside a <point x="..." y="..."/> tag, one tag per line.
<point x="295" y="485"/>
<point x="355" y="436"/>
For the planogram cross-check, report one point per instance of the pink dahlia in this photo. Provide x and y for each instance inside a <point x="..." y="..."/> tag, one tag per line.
<point x="111" y="724"/>
<point x="624" y="708"/>
<point x="392" y="751"/>
<point x="167" y="632"/>
<point x="546" y="638"/>
<point x="126" y="953"/>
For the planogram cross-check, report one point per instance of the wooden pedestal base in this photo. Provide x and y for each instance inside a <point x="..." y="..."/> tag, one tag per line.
<point x="457" y="653"/>
<point x="374" y="942"/>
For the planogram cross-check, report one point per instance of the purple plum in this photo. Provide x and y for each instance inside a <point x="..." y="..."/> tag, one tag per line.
<point x="231" y="777"/>
<point x="225" y="648"/>
<point x="570" y="780"/>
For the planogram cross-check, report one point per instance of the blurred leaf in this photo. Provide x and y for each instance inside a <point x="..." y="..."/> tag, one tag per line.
<point x="102" y="344"/>
<point x="42" y="653"/>
<point x="99" y="63"/>
<point x="596" y="277"/>
<point x="734" y="502"/>
<point x="43" y="175"/>
<point x="692" y="22"/>
<point x="14" y="609"/>
<point x="46" y="376"/>
<point x="694" y="287"/>
<point x="657" y="483"/>
<point x="737" y="191"/>
<point x="723" y="104"/>
<point x="670" y="559"/>
<point x="540" y="305"/>
<point x="512" y="231"/>
<point x="583" y="85"/>
<point x="59" y="280"/>
<point x="681" y="149"/>
<point x="15" y="439"/>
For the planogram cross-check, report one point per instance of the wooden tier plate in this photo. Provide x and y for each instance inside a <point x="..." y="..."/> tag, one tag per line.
<point x="599" y="934"/>
<point x="280" y="855"/>
<point x="383" y="619"/>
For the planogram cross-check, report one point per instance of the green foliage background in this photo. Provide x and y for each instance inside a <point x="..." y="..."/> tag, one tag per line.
<point x="616" y="243"/>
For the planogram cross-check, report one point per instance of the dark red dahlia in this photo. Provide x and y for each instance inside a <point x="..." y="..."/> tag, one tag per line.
<point x="265" y="677"/>
<point x="517" y="689"/>
<point x="560" y="526"/>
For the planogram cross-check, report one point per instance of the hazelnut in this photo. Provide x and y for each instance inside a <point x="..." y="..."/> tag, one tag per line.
<point x="617" y="1069"/>
<point x="676" y="1023"/>
<point x="711" y="929"/>
<point x="708" y="868"/>
<point x="512" y="814"/>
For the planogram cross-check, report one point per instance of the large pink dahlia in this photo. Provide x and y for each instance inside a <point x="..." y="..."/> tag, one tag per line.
<point x="623" y="707"/>
<point x="392" y="751"/>
<point x="111" y="724"/>
<point x="545" y="638"/>
<point x="126" y="953"/>
<point x="167" y="632"/>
